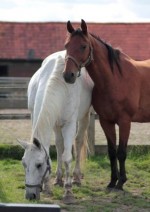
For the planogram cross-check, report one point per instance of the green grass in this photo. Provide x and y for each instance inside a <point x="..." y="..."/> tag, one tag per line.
<point x="92" y="195"/>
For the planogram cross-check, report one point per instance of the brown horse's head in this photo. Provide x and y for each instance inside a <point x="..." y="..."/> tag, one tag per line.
<point x="78" y="51"/>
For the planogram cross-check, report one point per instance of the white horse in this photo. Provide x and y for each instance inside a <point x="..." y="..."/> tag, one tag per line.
<point x="55" y="105"/>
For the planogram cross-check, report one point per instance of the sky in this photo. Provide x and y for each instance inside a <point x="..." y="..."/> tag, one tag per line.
<point x="75" y="10"/>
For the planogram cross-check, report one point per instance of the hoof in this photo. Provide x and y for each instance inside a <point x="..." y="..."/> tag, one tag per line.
<point x="82" y="176"/>
<point x="108" y="189"/>
<point x="76" y="182"/>
<point x="77" y="179"/>
<point x="69" y="198"/>
<point x="119" y="188"/>
<point x="48" y="193"/>
<point x="58" y="182"/>
<point x="111" y="185"/>
<point x="114" y="190"/>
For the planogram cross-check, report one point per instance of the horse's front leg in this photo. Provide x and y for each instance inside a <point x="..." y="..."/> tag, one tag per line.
<point x="124" y="131"/>
<point x="110" y="133"/>
<point x="60" y="149"/>
<point x="80" y="143"/>
<point x="68" y="132"/>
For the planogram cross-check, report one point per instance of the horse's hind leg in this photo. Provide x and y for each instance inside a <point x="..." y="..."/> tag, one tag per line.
<point x="80" y="146"/>
<point x="60" y="149"/>
<point x="110" y="133"/>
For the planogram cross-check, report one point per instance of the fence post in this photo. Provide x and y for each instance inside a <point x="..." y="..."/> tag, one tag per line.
<point x="91" y="133"/>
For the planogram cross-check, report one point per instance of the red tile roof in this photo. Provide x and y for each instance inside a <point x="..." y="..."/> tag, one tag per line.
<point x="37" y="40"/>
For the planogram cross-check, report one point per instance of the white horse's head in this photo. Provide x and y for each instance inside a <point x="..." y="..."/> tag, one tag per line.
<point x="37" y="167"/>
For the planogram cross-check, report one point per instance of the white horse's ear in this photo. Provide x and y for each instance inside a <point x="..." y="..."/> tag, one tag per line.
<point x="36" y="143"/>
<point x="24" y="144"/>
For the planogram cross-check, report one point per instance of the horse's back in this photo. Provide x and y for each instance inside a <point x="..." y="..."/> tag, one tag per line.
<point x="142" y="76"/>
<point x="143" y="63"/>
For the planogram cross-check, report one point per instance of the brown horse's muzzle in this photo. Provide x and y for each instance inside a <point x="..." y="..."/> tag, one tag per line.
<point x="69" y="77"/>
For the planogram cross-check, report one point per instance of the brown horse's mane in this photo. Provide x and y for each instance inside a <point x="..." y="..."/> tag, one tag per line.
<point x="113" y="53"/>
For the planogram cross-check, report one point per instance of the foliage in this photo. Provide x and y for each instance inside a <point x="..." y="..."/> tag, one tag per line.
<point x="16" y="151"/>
<point x="11" y="151"/>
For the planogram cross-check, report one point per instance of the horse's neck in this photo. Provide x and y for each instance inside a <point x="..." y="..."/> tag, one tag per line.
<point x="43" y="130"/>
<point x="53" y="102"/>
<point x="99" y="70"/>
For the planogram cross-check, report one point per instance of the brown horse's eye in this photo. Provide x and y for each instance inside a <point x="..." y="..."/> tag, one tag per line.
<point x="83" y="47"/>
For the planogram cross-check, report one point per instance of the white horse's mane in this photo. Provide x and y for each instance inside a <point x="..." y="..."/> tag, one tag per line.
<point x="54" y="98"/>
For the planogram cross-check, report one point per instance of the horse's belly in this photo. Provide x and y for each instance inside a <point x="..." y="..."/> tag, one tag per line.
<point x="143" y="112"/>
<point x="142" y="116"/>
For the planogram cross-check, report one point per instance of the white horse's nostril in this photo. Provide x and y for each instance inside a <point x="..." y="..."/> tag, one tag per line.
<point x="32" y="196"/>
<point x="72" y="74"/>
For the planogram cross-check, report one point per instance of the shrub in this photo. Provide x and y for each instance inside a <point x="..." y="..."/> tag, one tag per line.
<point x="16" y="151"/>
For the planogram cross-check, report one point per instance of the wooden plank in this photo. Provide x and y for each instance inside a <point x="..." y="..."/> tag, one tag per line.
<point x="14" y="116"/>
<point x="13" y="88"/>
<point x="14" y="80"/>
<point x="8" y="95"/>
<point x="13" y="103"/>
<point x="29" y="207"/>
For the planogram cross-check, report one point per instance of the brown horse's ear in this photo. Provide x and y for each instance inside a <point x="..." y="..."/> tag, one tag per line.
<point x="83" y="27"/>
<point x="70" y="27"/>
<point x="37" y="143"/>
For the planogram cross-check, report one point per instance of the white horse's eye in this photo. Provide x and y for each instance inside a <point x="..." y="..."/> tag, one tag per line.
<point x="39" y="165"/>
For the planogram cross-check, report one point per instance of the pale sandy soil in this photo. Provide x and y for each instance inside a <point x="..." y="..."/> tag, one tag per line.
<point x="10" y="130"/>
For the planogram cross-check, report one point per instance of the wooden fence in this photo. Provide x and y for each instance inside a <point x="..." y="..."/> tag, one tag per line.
<point x="13" y="92"/>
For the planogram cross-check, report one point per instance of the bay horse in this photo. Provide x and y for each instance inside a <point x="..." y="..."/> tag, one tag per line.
<point x="55" y="105"/>
<point x="121" y="92"/>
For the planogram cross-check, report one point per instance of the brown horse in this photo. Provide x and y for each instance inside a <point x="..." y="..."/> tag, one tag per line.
<point x="121" y="94"/>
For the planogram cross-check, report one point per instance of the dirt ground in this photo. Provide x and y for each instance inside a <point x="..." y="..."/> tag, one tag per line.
<point x="11" y="130"/>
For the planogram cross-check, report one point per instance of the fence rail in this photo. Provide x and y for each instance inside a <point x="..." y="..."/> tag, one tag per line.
<point x="13" y="92"/>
